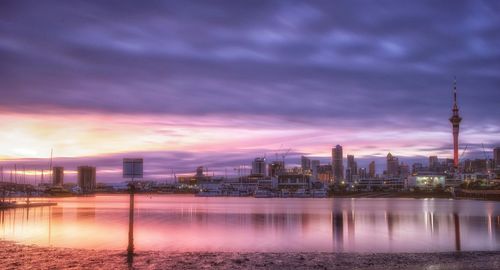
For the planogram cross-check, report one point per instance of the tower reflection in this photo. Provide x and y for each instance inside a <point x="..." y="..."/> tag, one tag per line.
<point x="456" y="222"/>
<point x="338" y="231"/>
<point x="351" y="225"/>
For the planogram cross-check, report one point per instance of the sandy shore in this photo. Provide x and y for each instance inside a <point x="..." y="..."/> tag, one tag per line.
<point x="17" y="256"/>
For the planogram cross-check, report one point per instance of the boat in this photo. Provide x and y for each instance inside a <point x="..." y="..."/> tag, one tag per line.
<point x="301" y="193"/>
<point x="263" y="193"/>
<point x="319" y="193"/>
<point x="234" y="193"/>
<point x="285" y="193"/>
<point x="209" y="193"/>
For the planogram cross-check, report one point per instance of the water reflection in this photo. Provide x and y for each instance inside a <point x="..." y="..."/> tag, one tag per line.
<point x="338" y="231"/>
<point x="186" y="223"/>
<point x="85" y="213"/>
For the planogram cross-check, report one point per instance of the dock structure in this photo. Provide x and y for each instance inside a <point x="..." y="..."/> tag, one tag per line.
<point x="10" y="205"/>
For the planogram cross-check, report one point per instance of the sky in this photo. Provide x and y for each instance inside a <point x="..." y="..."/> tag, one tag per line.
<point x="218" y="83"/>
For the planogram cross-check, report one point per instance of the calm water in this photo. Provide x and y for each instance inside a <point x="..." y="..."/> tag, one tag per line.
<point x="188" y="223"/>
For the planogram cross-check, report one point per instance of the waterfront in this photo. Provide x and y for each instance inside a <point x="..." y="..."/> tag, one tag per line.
<point x="185" y="223"/>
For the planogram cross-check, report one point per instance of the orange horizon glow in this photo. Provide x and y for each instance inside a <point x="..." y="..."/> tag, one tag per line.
<point x="77" y="135"/>
<point x="181" y="143"/>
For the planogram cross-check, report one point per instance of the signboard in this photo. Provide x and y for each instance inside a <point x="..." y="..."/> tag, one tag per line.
<point x="132" y="167"/>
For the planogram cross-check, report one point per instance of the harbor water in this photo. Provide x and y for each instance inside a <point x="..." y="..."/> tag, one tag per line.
<point x="189" y="223"/>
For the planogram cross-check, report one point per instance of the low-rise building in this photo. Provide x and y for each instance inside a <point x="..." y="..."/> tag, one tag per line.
<point x="57" y="176"/>
<point x="429" y="181"/>
<point x="293" y="181"/>
<point x="386" y="183"/>
<point x="87" y="179"/>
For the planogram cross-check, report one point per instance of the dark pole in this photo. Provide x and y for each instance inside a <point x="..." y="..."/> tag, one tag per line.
<point x="130" y="248"/>
<point x="456" y="221"/>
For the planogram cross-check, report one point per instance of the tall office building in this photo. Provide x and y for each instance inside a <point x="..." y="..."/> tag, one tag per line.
<point x="371" y="169"/>
<point x="259" y="166"/>
<point x="314" y="168"/>
<point x="392" y="169"/>
<point x="404" y="170"/>
<point x="87" y="178"/>
<point x="305" y="163"/>
<point x="337" y="163"/>
<point x="455" y="120"/>
<point x="352" y="168"/>
<point x="315" y="163"/>
<point x="416" y="167"/>
<point x="57" y="176"/>
<point x="362" y="173"/>
<point x="433" y="163"/>
<point x="496" y="157"/>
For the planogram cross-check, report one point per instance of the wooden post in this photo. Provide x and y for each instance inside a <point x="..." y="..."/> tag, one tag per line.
<point x="130" y="248"/>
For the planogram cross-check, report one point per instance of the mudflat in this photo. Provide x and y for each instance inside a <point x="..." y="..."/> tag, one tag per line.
<point x="18" y="256"/>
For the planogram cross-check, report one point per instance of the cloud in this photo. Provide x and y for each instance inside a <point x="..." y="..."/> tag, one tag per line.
<point x="334" y="69"/>
<point x="310" y="59"/>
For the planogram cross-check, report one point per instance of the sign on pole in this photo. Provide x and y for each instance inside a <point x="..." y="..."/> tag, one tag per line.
<point x="132" y="167"/>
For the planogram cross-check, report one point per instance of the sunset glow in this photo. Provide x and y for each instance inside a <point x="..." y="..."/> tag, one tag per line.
<point x="97" y="91"/>
<point x="70" y="135"/>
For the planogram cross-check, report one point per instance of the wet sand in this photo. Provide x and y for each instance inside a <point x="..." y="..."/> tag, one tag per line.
<point x="17" y="256"/>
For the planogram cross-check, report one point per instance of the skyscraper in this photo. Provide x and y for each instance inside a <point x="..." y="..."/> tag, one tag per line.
<point x="496" y="157"/>
<point x="404" y="170"/>
<point x="455" y="120"/>
<point x="314" y="168"/>
<point x="371" y="169"/>
<point x="362" y="173"/>
<point x="416" y="167"/>
<point x="86" y="178"/>
<point x="433" y="163"/>
<point x="57" y="176"/>
<point x="305" y="163"/>
<point x="337" y="163"/>
<point x="352" y="167"/>
<point x="259" y="166"/>
<point x="392" y="165"/>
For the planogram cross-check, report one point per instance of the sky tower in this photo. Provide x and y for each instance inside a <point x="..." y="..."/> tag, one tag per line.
<point x="455" y="120"/>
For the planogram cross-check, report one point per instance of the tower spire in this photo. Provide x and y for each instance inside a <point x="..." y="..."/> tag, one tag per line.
<point x="455" y="120"/>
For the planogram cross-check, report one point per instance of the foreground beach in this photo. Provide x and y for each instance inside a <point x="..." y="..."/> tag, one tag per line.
<point x="17" y="256"/>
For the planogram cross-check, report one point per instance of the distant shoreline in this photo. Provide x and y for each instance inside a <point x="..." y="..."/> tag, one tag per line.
<point x="27" y="256"/>
<point x="414" y="195"/>
<point x="401" y="195"/>
<point x="352" y="195"/>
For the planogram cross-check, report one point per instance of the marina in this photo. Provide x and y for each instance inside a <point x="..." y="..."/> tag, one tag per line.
<point x="264" y="193"/>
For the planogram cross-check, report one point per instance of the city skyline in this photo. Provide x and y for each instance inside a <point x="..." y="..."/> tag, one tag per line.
<point x="304" y="77"/>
